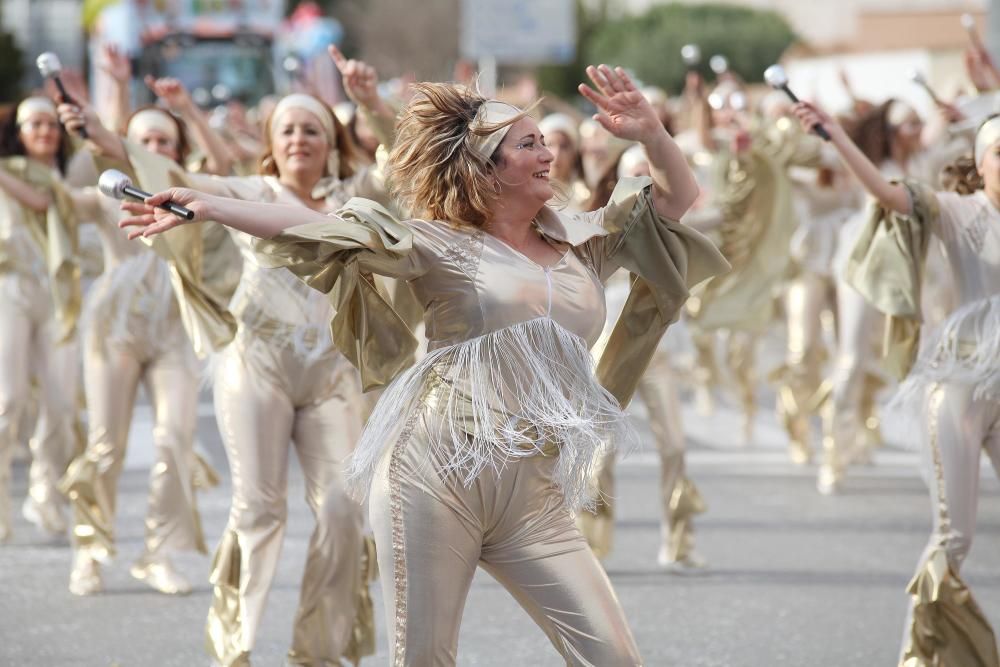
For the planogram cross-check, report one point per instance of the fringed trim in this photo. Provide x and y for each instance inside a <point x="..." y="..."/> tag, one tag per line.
<point x="521" y="391"/>
<point x="131" y="302"/>
<point x="964" y="349"/>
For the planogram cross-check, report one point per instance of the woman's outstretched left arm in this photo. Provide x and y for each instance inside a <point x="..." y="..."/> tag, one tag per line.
<point x="624" y="112"/>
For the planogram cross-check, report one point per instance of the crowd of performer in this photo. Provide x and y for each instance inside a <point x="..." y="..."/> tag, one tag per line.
<point x="445" y="304"/>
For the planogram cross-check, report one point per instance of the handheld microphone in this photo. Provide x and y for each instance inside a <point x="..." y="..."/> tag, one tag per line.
<point x="719" y="64"/>
<point x="691" y="55"/>
<point x="117" y="185"/>
<point x="918" y="78"/>
<point x="776" y="78"/>
<point x="50" y="68"/>
<point x="969" y="23"/>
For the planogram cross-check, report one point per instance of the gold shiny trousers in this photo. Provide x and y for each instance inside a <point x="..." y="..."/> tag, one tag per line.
<point x="945" y="627"/>
<point x="432" y="532"/>
<point x="850" y="423"/>
<point x="112" y="372"/>
<point x="740" y="357"/>
<point x="29" y="355"/>
<point x="801" y="391"/>
<point x="680" y="500"/>
<point x="267" y="396"/>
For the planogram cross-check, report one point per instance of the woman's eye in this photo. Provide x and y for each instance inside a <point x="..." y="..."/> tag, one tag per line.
<point x="526" y="144"/>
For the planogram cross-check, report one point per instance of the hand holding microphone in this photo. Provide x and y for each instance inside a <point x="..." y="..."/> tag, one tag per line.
<point x="776" y="78"/>
<point x="117" y="185"/>
<point x="50" y="68"/>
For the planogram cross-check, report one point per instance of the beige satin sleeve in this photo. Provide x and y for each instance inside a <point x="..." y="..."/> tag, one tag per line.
<point x="338" y="257"/>
<point x="886" y="267"/>
<point x="666" y="257"/>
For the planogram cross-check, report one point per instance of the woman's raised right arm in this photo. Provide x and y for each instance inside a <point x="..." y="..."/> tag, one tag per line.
<point x="891" y="195"/>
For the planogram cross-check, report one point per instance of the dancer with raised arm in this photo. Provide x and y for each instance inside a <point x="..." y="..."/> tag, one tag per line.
<point x="281" y="381"/>
<point x="953" y="380"/>
<point x="478" y="454"/>
<point x="39" y="307"/>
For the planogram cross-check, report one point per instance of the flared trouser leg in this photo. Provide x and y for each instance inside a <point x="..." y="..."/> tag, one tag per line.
<point x="956" y="430"/>
<point x="800" y="376"/>
<point x="679" y="499"/>
<point x="53" y="443"/>
<point x="172" y="520"/>
<point x="432" y="531"/>
<point x="325" y="434"/>
<point x="258" y="418"/>
<point x="110" y="380"/>
<point x="843" y="427"/>
<point x="15" y="365"/>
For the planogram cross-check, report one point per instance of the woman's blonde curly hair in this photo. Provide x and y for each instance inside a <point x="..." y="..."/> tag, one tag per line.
<point x="434" y="170"/>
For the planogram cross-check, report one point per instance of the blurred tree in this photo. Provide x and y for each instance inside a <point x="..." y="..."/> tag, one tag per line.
<point x="649" y="44"/>
<point x="11" y="68"/>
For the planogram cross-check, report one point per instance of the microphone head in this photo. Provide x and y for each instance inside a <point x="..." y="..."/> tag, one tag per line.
<point x="968" y="22"/>
<point x="719" y="64"/>
<point x="48" y="64"/>
<point x="691" y="54"/>
<point x="112" y="183"/>
<point x="775" y="76"/>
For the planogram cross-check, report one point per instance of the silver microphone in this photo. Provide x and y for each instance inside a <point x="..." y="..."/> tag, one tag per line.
<point x="50" y="68"/>
<point x="117" y="185"/>
<point x="776" y="78"/>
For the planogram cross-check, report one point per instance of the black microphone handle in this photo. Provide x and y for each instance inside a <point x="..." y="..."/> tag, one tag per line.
<point x="68" y="99"/>
<point x="176" y="209"/>
<point x="817" y="128"/>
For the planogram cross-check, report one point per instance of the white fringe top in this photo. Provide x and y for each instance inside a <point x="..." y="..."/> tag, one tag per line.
<point x="965" y="347"/>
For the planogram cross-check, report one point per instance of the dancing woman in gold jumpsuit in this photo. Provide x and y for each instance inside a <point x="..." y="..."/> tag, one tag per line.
<point x="131" y="333"/>
<point x="478" y="454"/>
<point x="281" y="380"/>
<point x="39" y="306"/>
<point x="952" y="372"/>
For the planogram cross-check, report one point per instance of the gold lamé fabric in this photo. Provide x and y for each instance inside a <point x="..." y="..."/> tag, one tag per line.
<point x="680" y="500"/>
<point x="887" y="266"/>
<point x="266" y="398"/>
<point x="204" y="269"/>
<point x="29" y="356"/>
<point x="946" y="626"/>
<point x="433" y="528"/>
<point x="54" y="235"/>
<point x="434" y="532"/>
<point x="753" y="192"/>
<point x="166" y="367"/>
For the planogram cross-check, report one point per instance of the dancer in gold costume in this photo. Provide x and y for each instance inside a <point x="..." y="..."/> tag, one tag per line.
<point x="952" y="380"/>
<point x="478" y="453"/>
<point x="680" y="500"/>
<point x="131" y="333"/>
<point x="39" y="306"/>
<point x="281" y="380"/>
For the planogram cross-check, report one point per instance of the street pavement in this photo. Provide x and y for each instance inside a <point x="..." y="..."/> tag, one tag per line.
<point x="793" y="578"/>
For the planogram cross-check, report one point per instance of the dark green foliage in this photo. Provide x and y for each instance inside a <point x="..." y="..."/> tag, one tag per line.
<point x="650" y="44"/>
<point x="11" y="69"/>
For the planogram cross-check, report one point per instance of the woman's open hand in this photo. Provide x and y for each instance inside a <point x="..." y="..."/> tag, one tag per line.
<point x="148" y="220"/>
<point x="622" y="109"/>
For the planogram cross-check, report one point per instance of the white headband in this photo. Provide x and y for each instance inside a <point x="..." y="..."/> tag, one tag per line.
<point x="490" y="115"/>
<point x="322" y="114"/>
<point x="151" y="119"/>
<point x="631" y="159"/>
<point x="899" y="113"/>
<point x="988" y="134"/>
<point x="306" y="103"/>
<point x="32" y="105"/>
<point x="560" y="122"/>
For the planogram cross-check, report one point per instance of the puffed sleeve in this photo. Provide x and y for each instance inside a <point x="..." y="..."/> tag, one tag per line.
<point x="338" y="257"/>
<point x="667" y="258"/>
<point x="886" y="267"/>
